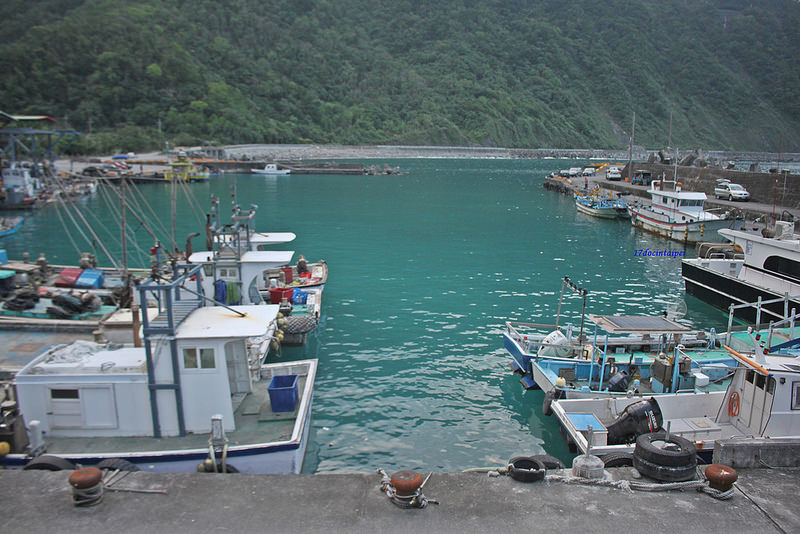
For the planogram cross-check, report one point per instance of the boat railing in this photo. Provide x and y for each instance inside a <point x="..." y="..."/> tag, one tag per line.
<point x="759" y="306"/>
<point x="791" y="321"/>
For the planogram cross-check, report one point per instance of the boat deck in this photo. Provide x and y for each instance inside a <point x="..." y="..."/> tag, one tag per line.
<point x="20" y="346"/>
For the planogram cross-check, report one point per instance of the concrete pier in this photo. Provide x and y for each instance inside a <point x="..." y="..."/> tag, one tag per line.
<point x="38" y="501"/>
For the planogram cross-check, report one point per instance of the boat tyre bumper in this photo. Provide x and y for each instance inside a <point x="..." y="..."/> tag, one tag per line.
<point x="526" y="469"/>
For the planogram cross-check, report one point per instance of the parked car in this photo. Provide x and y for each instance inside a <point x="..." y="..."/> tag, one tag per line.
<point x="613" y="174"/>
<point x="731" y="191"/>
<point x="642" y="178"/>
<point x="589" y="171"/>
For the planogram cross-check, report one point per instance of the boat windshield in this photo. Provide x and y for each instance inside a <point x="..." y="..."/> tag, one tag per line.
<point x="691" y="202"/>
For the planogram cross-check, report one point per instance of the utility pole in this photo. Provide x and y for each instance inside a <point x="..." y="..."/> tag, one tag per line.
<point x="630" y="149"/>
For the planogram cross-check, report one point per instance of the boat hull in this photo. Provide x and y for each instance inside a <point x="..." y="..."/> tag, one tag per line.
<point x="602" y="213"/>
<point x="721" y="291"/>
<point x="689" y="232"/>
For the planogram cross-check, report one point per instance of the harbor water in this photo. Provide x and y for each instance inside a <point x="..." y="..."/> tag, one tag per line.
<point x="425" y="268"/>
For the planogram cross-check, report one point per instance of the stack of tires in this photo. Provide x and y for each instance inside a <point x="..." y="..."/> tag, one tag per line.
<point x="666" y="459"/>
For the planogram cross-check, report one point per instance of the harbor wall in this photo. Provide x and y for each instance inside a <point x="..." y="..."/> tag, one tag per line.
<point x="783" y="189"/>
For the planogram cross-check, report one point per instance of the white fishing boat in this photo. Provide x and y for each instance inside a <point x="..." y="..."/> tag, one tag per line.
<point x="237" y="271"/>
<point x="271" y="168"/>
<point x="754" y="267"/>
<point x="761" y="401"/>
<point x="197" y="392"/>
<point x="679" y="215"/>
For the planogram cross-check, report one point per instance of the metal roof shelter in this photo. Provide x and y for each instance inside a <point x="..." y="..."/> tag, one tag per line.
<point x="635" y="324"/>
<point x="33" y="144"/>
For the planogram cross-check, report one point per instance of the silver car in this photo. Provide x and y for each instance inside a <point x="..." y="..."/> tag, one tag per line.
<point x="731" y="191"/>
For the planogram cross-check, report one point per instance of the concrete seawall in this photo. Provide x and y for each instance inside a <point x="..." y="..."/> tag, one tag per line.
<point x="782" y="189"/>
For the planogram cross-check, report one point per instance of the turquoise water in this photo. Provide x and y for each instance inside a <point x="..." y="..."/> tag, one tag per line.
<point x="425" y="268"/>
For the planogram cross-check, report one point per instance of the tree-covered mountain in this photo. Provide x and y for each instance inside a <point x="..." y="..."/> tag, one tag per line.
<point x="513" y="73"/>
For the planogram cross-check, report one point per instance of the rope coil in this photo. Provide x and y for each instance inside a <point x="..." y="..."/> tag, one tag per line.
<point x="88" y="496"/>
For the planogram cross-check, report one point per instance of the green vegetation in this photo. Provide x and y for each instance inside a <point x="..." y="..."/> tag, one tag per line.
<point x="513" y="73"/>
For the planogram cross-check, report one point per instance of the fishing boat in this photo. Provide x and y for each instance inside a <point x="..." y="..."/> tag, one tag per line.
<point x="20" y="188"/>
<point x="271" y="168"/>
<point x="67" y="297"/>
<point x="529" y="342"/>
<point x="238" y="271"/>
<point x="184" y="170"/>
<point x="753" y="267"/>
<point x="10" y="225"/>
<point x="197" y="395"/>
<point x="596" y="206"/>
<point x="760" y="401"/>
<point x="679" y="215"/>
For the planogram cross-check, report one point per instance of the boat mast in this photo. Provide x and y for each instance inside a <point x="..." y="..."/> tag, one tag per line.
<point x="174" y="207"/>
<point x="124" y="236"/>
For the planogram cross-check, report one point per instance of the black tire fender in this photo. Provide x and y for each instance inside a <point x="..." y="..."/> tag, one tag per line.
<point x="117" y="463"/>
<point x="617" y="459"/>
<point x="676" y="452"/>
<point x="665" y="473"/>
<point x="48" y="462"/>
<point x="526" y="469"/>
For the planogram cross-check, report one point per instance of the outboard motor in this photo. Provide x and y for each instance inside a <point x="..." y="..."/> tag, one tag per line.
<point x="638" y="418"/>
<point x="618" y="382"/>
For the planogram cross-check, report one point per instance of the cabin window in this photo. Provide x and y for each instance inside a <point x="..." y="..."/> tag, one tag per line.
<point x="228" y="273"/>
<point x="795" y="395"/>
<point x="750" y="376"/>
<point x="783" y="266"/>
<point x="760" y="379"/>
<point x="64" y="394"/>
<point x="198" y="358"/>
<point x="771" y="386"/>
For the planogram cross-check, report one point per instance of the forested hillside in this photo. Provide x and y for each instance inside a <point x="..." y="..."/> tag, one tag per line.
<point x="512" y="73"/>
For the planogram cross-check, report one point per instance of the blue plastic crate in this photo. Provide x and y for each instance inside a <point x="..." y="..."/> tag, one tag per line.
<point x="90" y="279"/>
<point x="283" y="393"/>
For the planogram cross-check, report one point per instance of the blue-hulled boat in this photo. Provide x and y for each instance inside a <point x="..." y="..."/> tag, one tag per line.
<point x="10" y="225"/>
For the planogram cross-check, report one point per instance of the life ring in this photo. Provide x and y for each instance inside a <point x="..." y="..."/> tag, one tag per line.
<point x="733" y="404"/>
